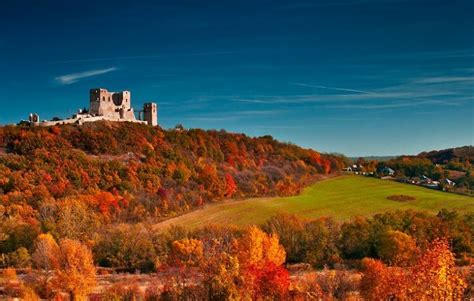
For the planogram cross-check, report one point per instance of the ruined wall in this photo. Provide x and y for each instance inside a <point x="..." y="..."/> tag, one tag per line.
<point x="116" y="105"/>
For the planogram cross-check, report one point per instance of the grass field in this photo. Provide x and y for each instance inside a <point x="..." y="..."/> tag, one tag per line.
<point x="341" y="197"/>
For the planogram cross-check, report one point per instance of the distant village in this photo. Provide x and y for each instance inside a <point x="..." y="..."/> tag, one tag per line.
<point x="104" y="105"/>
<point x="387" y="173"/>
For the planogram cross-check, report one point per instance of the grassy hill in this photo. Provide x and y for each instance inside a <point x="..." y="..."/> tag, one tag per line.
<point x="341" y="197"/>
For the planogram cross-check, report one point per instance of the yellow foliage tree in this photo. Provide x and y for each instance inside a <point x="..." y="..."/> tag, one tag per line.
<point x="187" y="251"/>
<point x="435" y="277"/>
<point x="46" y="252"/>
<point x="45" y="261"/>
<point x="222" y="275"/>
<point x="76" y="273"/>
<point x="257" y="247"/>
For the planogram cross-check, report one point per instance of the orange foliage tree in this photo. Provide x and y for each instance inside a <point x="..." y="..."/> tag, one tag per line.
<point x="75" y="273"/>
<point x="380" y="282"/>
<point x="433" y="277"/>
<point x="247" y="267"/>
<point x="187" y="252"/>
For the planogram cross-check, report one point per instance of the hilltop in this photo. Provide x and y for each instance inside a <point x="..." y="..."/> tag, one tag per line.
<point x="460" y="154"/>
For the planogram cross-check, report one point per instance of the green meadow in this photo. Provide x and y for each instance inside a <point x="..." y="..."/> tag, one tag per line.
<point x="341" y="197"/>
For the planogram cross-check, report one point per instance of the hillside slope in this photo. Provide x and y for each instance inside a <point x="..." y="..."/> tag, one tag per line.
<point x="130" y="172"/>
<point x="341" y="197"/>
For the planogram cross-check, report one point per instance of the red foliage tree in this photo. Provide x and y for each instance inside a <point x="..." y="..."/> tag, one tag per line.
<point x="268" y="281"/>
<point x="231" y="186"/>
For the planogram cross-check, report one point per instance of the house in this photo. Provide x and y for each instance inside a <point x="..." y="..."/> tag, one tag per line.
<point x="429" y="183"/>
<point x="355" y="168"/>
<point x="425" y="180"/>
<point x="432" y="185"/>
<point x="448" y="182"/>
<point x="387" y="171"/>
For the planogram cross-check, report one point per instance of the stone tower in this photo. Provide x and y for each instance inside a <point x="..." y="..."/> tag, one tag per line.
<point x="150" y="113"/>
<point x="33" y="118"/>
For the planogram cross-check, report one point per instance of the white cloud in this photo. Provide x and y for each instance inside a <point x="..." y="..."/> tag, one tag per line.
<point x="68" y="79"/>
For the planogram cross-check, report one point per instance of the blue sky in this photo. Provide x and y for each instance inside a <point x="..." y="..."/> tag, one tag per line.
<point x="360" y="77"/>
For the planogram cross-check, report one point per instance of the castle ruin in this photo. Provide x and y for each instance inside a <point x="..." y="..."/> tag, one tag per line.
<point x="105" y="105"/>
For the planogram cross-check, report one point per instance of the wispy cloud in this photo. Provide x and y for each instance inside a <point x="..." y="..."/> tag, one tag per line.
<point x="418" y="55"/>
<point x="222" y="116"/>
<point x="68" y="79"/>
<point x="333" y="88"/>
<point x="316" y="4"/>
<point x="394" y="105"/>
<point x="279" y="127"/>
<point x="142" y="57"/>
<point x="322" y="98"/>
<point x="444" y="79"/>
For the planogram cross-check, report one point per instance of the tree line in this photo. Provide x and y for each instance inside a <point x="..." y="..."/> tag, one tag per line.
<point x="402" y="254"/>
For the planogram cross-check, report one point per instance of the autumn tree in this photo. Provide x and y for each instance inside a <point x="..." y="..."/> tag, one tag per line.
<point x="354" y="241"/>
<point x="321" y="242"/>
<point x="257" y="248"/>
<point x="397" y="248"/>
<point x="380" y="282"/>
<point x="313" y="242"/>
<point x="76" y="220"/>
<point x="221" y="270"/>
<point x="126" y="246"/>
<point x="291" y="232"/>
<point x="185" y="259"/>
<point x="268" y="281"/>
<point x="435" y="277"/>
<point x="76" y="273"/>
<point x="187" y="252"/>
<point x="231" y="186"/>
<point x="262" y="258"/>
<point x="45" y="261"/>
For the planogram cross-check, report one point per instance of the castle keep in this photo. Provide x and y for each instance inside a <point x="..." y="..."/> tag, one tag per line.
<point x="105" y="105"/>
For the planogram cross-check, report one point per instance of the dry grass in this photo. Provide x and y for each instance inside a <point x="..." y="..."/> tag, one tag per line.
<point x="401" y="198"/>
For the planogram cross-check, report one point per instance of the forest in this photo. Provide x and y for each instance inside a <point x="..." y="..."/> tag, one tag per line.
<point x="402" y="255"/>
<point x="131" y="172"/>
